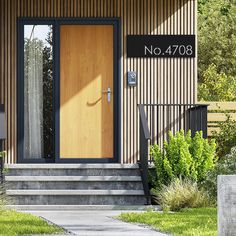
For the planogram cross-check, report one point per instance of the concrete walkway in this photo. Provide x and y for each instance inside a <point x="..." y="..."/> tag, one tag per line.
<point x="95" y="223"/>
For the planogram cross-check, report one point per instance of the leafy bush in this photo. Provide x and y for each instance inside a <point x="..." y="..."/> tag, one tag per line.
<point x="225" y="166"/>
<point x="2" y="154"/>
<point x="226" y="137"/>
<point x="182" y="157"/>
<point x="4" y="199"/>
<point x="182" y="194"/>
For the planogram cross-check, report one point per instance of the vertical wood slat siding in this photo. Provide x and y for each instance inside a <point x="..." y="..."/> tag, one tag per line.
<point x="159" y="80"/>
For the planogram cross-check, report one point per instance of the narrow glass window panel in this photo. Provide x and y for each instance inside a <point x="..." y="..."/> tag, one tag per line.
<point x="38" y="91"/>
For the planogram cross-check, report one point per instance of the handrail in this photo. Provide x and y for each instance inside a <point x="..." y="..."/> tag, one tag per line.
<point x="144" y="139"/>
<point x="156" y="120"/>
<point x="144" y="122"/>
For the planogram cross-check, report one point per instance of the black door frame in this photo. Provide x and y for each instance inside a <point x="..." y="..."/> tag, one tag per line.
<point x="56" y="22"/>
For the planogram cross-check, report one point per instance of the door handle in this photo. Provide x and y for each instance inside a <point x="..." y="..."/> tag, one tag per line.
<point x="108" y="92"/>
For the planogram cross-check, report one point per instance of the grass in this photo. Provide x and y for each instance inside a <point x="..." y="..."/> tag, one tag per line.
<point x="183" y="193"/>
<point x="188" y="222"/>
<point x="14" y="223"/>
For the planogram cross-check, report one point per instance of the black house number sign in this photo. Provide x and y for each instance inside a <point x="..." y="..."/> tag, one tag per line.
<point x="167" y="46"/>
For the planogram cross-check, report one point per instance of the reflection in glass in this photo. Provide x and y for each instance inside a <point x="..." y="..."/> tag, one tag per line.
<point x="38" y="92"/>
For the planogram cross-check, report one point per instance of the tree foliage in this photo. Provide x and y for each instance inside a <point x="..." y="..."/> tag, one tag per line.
<point x="217" y="49"/>
<point x="226" y="137"/>
<point x="48" y="95"/>
<point x="217" y="86"/>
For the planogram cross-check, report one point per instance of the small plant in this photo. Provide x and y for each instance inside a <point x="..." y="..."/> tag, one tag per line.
<point x="2" y="154"/>
<point x="4" y="200"/>
<point x="226" y="137"/>
<point x="225" y="166"/>
<point x="182" y="157"/>
<point x="181" y="194"/>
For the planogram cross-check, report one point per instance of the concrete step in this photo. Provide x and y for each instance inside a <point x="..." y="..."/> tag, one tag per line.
<point x="75" y="185"/>
<point x="73" y="172"/>
<point x="73" y="178"/>
<point x="83" y="207"/>
<point x="74" y="192"/>
<point x="71" y="166"/>
<point x="74" y="182"/>
<point x="78" y="199"/>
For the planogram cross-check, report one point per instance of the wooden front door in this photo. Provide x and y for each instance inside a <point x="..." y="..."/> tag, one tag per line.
<point x="86" y="91"/>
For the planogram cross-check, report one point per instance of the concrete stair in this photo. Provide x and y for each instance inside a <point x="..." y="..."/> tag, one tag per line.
<point x="74" y="186"/>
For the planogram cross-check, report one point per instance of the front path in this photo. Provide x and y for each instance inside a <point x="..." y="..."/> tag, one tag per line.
<point x="95" y="223"/>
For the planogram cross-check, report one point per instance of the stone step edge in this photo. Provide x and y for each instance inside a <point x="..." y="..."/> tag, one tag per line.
<point x="67" y="178"/>
<point x="84" y="207"/>
<point x="76" y="192"/>
<point x="71" y="166"/>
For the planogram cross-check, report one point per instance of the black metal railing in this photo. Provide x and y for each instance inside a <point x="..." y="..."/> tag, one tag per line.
<point x="156" y="120"/>
<point x="144" y="144"/>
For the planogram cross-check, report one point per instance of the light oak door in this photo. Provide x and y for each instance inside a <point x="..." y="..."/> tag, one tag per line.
<point x="86" y="91"/>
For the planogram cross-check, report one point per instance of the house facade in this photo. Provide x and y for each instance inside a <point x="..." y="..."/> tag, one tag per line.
<point x="64" y="76"/>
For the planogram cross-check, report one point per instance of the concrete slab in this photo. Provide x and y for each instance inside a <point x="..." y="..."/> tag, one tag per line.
<point x="84" y="207"/>
<point x="95" y="223"/>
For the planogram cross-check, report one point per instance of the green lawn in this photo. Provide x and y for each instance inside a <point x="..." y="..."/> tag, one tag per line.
<point x="188" y="222"/>
<point x="15" y="223"/>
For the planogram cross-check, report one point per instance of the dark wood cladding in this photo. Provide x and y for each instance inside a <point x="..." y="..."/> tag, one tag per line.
<point x="159" y="80"/>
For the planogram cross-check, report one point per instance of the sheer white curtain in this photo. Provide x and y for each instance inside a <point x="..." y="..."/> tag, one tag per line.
<point x="33" y="98"/>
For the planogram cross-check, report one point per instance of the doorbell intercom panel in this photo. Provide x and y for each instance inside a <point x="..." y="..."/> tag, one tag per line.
<point x="132" y="78"/>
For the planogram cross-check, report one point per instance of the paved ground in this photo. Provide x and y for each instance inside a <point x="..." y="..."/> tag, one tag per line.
<point x="95" y="223"/>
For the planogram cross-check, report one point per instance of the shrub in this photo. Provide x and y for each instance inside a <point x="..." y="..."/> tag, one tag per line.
<point x="226" y="137"/>
<point x="4" y="199"/>
<point x="183" y="157"/>
<point x="225" y="166"/>
<point x="182" y="194"/>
